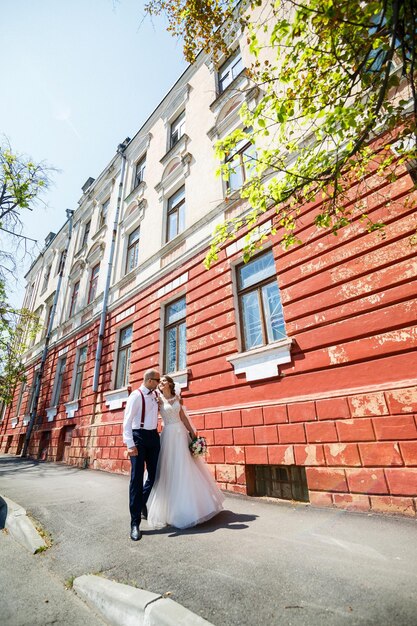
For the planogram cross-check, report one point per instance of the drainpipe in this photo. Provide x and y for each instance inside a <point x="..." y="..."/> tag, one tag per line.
<point x="39" y="373"/>
<point x="121" y="150"/>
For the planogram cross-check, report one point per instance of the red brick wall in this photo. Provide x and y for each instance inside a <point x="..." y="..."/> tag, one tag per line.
<point x="344" y="408"/>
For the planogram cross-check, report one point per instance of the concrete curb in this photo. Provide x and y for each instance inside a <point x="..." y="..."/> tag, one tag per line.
<point x="20" y="526"/>
<point x="122" y="605"/>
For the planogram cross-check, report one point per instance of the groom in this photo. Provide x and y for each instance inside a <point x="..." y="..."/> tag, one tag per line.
<point x="142" y="440"/>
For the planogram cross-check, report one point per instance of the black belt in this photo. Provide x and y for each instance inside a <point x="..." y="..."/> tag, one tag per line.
<point x="136" y="430"/>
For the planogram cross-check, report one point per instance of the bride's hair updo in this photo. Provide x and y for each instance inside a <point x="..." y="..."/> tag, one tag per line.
<point x="171" y="384"/>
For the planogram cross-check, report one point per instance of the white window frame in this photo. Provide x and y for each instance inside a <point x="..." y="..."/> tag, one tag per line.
<point x="75" y="372"/>
<point x="104" y="212"/>
<point x="72" y="308"/>
<point x="140" y="167"/>
<point x="176" y="129"/>
<point x="22" y="390"/>
<point x="31" y="396"/>
<point x="166" y="327"/>
<point x="86" y="233"/>
<point x="262" y="362"/>
<point x="59" y="375"/>
<point x="135" y="247"/>
<point x="117" y="356"/>
<point x="90" y="283"/>
<point x="46" y="277"/>
<point x="228" y="72"/>
<point x="180" y="205"/>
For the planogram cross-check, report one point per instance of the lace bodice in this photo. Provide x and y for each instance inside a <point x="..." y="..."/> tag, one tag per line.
<point x="170" y="411"/>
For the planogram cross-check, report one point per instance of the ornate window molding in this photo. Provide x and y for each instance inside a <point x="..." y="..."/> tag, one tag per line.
<point x="177" y="150"/>
<point x="51" y="413"/>
<point x="96" y="253"/>
<point x="76" y="270"/>
<point x="173" y="177"/>
<point x="226" y="106"/>
<point x="136" y="194"/>
<point x="178" y="101"/>
<point x="263" y="362"/>
<point x="138" y="147"/>
<point x="71" y="408"/>
<point x="116" y="399"/>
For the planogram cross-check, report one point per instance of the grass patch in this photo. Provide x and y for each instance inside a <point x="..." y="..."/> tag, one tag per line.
<point x="69" y="583"/>
<point x="46" y="536"/>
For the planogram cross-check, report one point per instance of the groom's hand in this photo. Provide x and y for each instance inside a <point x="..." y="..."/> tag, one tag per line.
<point x="132" y="451"/>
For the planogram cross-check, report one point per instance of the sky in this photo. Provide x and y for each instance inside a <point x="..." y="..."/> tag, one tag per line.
<point x="78" y="77"/>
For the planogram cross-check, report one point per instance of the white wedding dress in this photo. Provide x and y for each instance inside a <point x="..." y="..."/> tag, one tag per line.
<point x="184" y="493"/>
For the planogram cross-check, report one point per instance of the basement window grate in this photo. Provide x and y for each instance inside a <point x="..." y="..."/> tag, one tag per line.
<point x="287" y="482"/>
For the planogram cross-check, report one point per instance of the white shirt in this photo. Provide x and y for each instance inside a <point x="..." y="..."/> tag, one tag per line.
<point x="133" y="413"/>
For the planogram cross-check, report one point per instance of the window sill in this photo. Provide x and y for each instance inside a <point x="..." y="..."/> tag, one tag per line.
<point x="14" y="422"/>
<point x="115" y="399"/>
<point x="137" y="192"/>
<point x="231" y="88"/>
<point x="101" y="231"/>
<point x="263" y="362"/>
<point x="180" y="378"/>
<point x="127" y="278"/>
<point x="80" y="251"/>
<point x="51" y="413"/>
<point x="179" y="146"/>
<point x="71" y="408"/>
<point x="26" y="420"/>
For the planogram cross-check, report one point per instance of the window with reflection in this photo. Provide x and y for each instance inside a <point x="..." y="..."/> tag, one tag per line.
<point x="123" y="357"/>
<point x="140" y="172"/>
<point x="177" y="129"/>
<point x="86" y="234"/>
<point x="92" y="288"/>
<point x="103" y="213"/>
<point x="176" y="214"/>
<point x="20" y="398"/>
<point x="132" y="250"/>
<point x="31" y="396"/>
<point x="261" y="314"/>
<point x="46" y="277"/>
<point x="229" y="70"/>
<point x="174" y="335"/>
<point x="80" y="360"/>
<point x="240" y="164"/>
<point x="59" y="377"/>
<point x="74" y="298"/>
<point x="61" y="262"/>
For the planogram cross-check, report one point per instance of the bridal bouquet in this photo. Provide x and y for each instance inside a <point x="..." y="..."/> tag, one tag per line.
<point x="198" y="446"/>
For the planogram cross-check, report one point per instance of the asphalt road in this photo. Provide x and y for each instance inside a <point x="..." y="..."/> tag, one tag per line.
<point x="256" y="563"/>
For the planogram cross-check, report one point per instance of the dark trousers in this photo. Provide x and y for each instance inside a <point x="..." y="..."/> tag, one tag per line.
<point x="148" y="445"/>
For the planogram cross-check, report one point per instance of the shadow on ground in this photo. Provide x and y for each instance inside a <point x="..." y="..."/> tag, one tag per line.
<point x="225" y="519"/>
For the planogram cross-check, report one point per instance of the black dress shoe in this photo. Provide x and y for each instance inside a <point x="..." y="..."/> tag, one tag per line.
<point x="145" y="512"/>
<point x="135" y="533"/>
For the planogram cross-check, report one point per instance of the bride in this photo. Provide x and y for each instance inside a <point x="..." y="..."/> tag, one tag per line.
<point x="184" y="493"/>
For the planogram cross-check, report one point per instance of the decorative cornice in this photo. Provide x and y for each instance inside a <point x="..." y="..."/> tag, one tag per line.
<point x="115" y="399"/>
<point x="136" y="193"/>
<point x="176" y="150"/>
<point x="177" y="101"/>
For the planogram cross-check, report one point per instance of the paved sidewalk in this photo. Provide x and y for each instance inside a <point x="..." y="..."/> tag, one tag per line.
<point x="31" y="596"/>
<point x="258" y="562"/>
